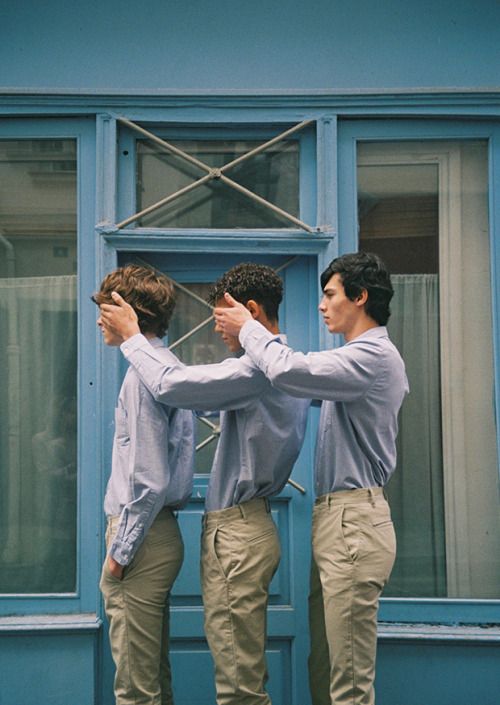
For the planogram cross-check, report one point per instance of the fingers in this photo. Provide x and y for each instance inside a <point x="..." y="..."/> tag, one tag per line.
<point x="230" y="300"/>
<point x="119" y="300"/>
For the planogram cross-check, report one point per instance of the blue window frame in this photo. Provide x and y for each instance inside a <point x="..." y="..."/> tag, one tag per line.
<point x="47" y="137"/>
<point x="352" y="134"/>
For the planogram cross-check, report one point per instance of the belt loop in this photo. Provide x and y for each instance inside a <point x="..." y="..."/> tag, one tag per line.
<point x="242" y="511"/>
<point x="268" y="504"/>
<point x="329" y="500"/>
<point x="372" y="496"/>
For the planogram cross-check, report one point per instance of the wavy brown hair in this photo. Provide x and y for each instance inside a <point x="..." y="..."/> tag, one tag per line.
<point x="150" y="293"/>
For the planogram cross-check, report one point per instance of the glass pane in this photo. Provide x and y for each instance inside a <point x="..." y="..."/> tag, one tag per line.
<point x="424" y="208"/>
<point x="273" y="175"/>
<point x="202" y="347"/>
<point x="38" y="366"/>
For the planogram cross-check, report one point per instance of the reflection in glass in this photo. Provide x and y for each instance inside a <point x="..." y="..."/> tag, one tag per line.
<point x="38" y="366"/>
<point x="272" y="174"/>
<point x="423" y="207"/>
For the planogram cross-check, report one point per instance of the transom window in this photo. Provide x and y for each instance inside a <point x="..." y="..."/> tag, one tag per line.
<point x="219" y="181"/>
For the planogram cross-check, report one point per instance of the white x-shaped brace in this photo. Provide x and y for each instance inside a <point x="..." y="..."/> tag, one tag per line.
<point x="215" y="174"/>
<point x="214" y="427"/>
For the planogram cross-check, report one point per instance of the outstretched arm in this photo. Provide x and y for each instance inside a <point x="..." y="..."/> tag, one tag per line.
<point x="340" y="375"/>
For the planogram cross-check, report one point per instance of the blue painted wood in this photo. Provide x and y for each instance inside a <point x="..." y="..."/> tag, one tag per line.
<point x="53" y="668"/>
<point x="193" y="45"/>
<point x="413" y="673"/>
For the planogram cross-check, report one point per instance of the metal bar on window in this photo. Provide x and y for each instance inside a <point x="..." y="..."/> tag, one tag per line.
<point x="194" y="330"/>
<point x="285" y="264"/>
<point x="190" y="293"/>
<point x="183" y="288"/>
<point x="164" y="201"/>
<point x="268" y="204"/>
<point x="266" y="145"/>
<point x="208" y="440"/>
<point x="215" y="174"/>
<point x="215" y="427"/>
<point x="163" y="143"/>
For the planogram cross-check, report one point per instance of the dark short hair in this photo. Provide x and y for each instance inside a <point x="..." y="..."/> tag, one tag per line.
<point x="250" y="281"/>
<point x="150" y="293"/>
<point x="364" y="270"/>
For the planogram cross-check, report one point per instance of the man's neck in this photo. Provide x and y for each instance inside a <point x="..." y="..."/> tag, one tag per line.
<point x="359" y="328"/>
<point x="271" y="326"/>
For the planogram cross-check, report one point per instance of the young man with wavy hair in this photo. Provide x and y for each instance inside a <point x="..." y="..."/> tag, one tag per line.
<point x="362" y="385"/>
<point x="261" y="433"/>
<point x="151" y="478"/>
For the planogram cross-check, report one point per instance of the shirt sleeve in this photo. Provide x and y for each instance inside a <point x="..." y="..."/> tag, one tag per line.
<point x="344" y="374"/>
<point x="146" y="431"/>
<point x="234" y="383"/>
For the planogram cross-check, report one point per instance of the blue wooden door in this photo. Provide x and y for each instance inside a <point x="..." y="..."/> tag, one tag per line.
<point x="287" y="617"/>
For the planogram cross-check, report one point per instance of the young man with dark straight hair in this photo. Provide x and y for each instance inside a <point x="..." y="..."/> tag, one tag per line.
<point x="261" y="434"/>
<point x="151" y="477"/>
<point x="362" y="385"/>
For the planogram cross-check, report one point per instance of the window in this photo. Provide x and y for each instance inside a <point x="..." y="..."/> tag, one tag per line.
<point x="272" y="174"/>
<point x="216" y="177"/>
<point x="38" y="365"/>
<point x="424" y="208"/>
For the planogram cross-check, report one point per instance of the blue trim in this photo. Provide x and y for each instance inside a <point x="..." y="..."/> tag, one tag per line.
<point x="478" y="102"/>
<point x="266" y="241"/>
<point x="402" y="609"/>
<point x="85" y="597"/>
<point x="72" y="623"/>
<point x="438" y="633"/>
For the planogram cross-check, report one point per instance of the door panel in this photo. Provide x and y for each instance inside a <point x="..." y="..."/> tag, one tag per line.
<point x="287" y="615"/>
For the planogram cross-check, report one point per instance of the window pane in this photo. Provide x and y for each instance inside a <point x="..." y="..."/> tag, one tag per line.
<point x="38" y="366"/>
<point x="273" y="175"/>
<point x="424" y="208"/>
<point x="198" y="348"/>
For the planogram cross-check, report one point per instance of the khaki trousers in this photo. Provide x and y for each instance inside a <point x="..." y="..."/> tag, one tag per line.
<point x="354" y="547"/>
<point x="240" y="554"/>
<point x="137" y="608"/>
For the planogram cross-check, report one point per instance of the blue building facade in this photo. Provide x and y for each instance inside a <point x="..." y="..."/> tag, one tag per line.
<point x="192" y="137"/>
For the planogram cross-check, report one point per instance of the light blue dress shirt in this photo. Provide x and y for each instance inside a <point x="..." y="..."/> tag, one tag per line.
<point x="152" y="463"/>
<point x="262" y="428"/>
<point x="362" y="385"/>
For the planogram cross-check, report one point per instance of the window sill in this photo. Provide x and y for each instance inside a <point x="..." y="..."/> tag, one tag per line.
<point x="438" y="632"/>
<point x="50" y="623"/>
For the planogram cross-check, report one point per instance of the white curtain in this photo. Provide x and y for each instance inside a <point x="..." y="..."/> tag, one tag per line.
<point x="416" y="489"/>
<point x="38" y="434"/>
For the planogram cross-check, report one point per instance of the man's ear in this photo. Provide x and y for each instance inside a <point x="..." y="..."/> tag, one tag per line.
<point x="361" y="298"/>
<point x="254" y="308"/>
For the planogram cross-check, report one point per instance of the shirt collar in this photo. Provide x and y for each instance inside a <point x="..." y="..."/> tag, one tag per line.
<point x="156" y="342"/>
<point x="377" y="332"/>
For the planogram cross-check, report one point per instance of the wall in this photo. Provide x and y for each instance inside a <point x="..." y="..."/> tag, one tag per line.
<point x="254" y="45"/>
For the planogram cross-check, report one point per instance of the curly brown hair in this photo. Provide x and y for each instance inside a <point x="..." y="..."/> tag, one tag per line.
<point x="248" y="281"/>
<point x="150" y="293"/>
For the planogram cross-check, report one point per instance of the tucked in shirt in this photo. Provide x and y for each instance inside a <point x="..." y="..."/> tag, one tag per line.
<point x="261" y="428"/>
<point x="362" y="385"/>
<point x="152" y="462"/>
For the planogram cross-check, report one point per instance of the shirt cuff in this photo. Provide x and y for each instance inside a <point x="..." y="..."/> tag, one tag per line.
<point x="134" y="343"/>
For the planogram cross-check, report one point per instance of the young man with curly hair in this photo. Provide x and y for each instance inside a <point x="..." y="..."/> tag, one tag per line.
<point x="362" y="385"/>
<point x="262" y="430"/>
<point x="151" y="478"/>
